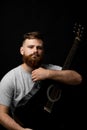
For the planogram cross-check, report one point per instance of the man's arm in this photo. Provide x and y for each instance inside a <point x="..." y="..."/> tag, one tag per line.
<point x="70" y="77"/>
<point x="8" y="122"/>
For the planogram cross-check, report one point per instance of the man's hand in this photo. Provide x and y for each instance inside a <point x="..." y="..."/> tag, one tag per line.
<point x="40" y="74"/>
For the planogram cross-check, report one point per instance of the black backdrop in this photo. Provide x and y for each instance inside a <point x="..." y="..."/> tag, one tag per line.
<point x="56" y="20"/>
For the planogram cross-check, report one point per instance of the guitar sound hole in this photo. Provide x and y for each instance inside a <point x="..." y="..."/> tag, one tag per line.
<point x="53" y="93"/>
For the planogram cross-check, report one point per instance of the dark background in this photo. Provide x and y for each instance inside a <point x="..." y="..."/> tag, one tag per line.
<point x="56" y="20"/>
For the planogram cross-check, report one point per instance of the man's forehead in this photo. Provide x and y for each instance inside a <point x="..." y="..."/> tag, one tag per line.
<point x="33" y="42"/>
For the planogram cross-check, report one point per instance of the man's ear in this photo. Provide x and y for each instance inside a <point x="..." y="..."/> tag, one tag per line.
<point x="21" y="50"/>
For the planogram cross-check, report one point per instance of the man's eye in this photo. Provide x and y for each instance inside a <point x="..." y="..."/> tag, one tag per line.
<point x="41" y="48"/>
<point x="30" y="46"/>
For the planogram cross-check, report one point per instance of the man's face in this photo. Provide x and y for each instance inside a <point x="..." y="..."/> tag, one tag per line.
<point x="32" y="51"/>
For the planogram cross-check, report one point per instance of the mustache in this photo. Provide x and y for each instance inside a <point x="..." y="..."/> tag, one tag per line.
<point x="34" y="54"/>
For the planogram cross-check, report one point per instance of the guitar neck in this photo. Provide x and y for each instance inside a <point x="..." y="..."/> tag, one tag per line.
<point x="71" y="55"/>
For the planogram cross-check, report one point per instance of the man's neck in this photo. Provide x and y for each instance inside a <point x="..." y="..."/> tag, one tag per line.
<point x="26" y="67"/>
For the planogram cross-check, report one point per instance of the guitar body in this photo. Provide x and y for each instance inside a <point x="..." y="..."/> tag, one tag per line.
<point x="32" y="114"/>
<point x="2" y="128"/>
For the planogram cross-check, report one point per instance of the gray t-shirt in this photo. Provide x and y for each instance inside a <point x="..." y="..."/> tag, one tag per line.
<point x="16" y="84"/>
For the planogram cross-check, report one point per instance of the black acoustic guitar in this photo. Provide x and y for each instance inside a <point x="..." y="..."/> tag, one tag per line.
<point x="38" y="113"/>
<point x="53" y="92"/>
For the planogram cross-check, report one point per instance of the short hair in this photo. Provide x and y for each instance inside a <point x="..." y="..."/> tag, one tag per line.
<point x="34" y="35"/>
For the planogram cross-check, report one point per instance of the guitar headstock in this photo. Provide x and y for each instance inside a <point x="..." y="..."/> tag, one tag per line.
<point x="78" y="31"/>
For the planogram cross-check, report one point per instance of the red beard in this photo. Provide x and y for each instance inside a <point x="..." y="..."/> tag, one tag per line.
<point x="33" y="60"/>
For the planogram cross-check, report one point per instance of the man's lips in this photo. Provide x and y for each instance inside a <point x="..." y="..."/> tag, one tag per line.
<point x="34" y="56"/>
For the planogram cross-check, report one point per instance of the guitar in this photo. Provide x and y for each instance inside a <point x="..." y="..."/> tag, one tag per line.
<point x="53" y="92"/>
<point x="35" y="113"/>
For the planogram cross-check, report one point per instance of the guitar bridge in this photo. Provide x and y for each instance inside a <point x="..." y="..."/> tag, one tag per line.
<point x="53" y="95"/>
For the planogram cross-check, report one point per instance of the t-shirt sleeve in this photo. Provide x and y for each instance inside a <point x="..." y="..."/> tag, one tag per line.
<point x="52" y="67"/>
<point x="6" y="90"/>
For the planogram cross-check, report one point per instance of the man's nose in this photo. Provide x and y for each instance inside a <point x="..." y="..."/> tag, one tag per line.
<point x="35" y="49"/>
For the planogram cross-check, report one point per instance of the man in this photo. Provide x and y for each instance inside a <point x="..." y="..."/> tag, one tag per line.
<point x="19" y="81"/>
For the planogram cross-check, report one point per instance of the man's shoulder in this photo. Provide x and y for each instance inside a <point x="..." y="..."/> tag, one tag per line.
<point x="11" y="72"/>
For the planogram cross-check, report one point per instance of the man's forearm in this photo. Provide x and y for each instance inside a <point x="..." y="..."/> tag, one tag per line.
<point x="65" y="76"/>
<point x="9" y="123"/>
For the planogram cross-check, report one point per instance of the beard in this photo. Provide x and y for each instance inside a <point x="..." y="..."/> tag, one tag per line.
<point x="33" y="60"/>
